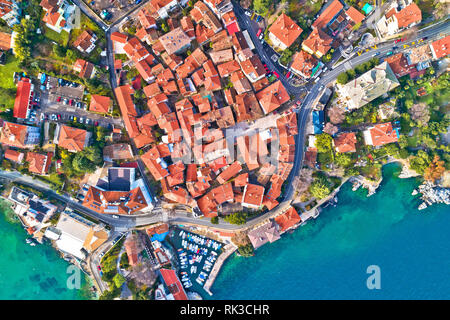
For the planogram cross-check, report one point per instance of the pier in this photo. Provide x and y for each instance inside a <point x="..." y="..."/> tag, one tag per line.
<point x="229" y="249"/>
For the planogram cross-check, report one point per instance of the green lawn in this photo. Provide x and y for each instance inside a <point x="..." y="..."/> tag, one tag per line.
<point x="60" y="38"/>
<point x="6" y="77"/>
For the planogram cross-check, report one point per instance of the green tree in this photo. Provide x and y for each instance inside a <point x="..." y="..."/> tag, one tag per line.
<point x="119" y="280"/>
<point x="342" y="78"/>
<point x="215" y="220"/>
<point x="343" y="160"/>
<point x="324" y="142"/>
<point x="262" y="6"/>
<point x="319" y="189"/>
<point x="59" y="51"/>
<point x="246" y="250"/>
<point x="236" y="218"/>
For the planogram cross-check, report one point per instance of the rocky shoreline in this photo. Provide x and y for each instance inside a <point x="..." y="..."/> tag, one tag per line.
<point x="431" y="194"/>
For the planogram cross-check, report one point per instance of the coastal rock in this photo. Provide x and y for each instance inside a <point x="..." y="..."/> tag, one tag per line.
<point x="433" y="194"/>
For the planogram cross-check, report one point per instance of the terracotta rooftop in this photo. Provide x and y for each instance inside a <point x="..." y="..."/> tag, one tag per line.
<point x="355" y="15"/>
<point x="253" y="195"/>
<point x="408" y="15"/>
<point x="345" y="142"/>
<point x="288" y="219"/>
<point x="441" y="48"/>
<point x="100" y="103"/>
<point x="382" y="134"/>
<point x="272" y="96"/>
<point x="229" y="172"/>
<point x="328" y="14"/>
<point x="285" y="29"/>
<point x="72" y="139"/>
<point x="22" y="100"/>
<point x="303" y="63"/>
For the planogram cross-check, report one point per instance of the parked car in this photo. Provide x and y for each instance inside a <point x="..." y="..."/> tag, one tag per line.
<point x="389" y="53"/>
<point x="96" y="123"/>
<point x="81" y="120"/>
<point x="70" y="102"/>
<point x="399" y="40"/>
<point x="288" y="74"/>
<point x="276" y="74"/>
<point x="59" y="116"/>
<point x="248" y="13"/>
<point x="58" y="99"/>
<point x="115" y="216"/>
<point x="259" y="32"/>
<point x="88" y="120"/>
<point x="299" y="102"/>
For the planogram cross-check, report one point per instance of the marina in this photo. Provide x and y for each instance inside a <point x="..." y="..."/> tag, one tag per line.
<point x="196" y="258"/>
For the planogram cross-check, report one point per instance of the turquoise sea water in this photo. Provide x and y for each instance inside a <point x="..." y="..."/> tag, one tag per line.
<point x="28" y="272"/>
<point x="328" y="257"/>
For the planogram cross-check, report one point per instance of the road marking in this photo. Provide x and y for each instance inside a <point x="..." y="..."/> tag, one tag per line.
<point x="347" y="66"/>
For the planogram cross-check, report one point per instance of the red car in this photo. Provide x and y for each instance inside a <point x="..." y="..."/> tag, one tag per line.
<point x="299" y="102"/>
<point x="399" y="40"/>
<point x="96" y="123"/>
<point x="58" y="99"/>
<point x="59" y="116"/>
<point x="259" y="32"/>
<point x="288" y="74"/>
<point x="276" y="74"/>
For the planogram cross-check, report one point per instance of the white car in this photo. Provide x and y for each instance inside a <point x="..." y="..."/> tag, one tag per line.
<point x="248" y="13"/>
<point x="115" y="216"/>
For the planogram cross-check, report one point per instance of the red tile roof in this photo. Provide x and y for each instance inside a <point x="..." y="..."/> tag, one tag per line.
<point x="154" y="165"/>
<point x="22" y="101"/>
<point x="288" y="219"/>
<point x="318" y="41"/>
<point x="408" y="15"/>
<point x="441" y="47"/>
<point x="72" y="139"/>
<point x="100" y="103"/>
<point x="131" y="249"/>
<point x="229" y="172"/>
<point x="303" y="63"/>
<point x="355" y="15"/>
<point x="399" y="64"/>
<point x="345" y="142"/>
<point x="383" y="133"/>
<point x="329" y="13"/>
<point x="38" y="163"/>
<point x="173" y="284"/>
<point x="253" y="195"/>
<point x="272" y="96"/>
<point x="119" y="37"/>
<point x="13" y="155"/>
<point x="285" y="29"/>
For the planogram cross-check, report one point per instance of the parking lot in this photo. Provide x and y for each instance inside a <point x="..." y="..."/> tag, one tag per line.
<point x="111" y="10"/>
<point x="64" y="101"/>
